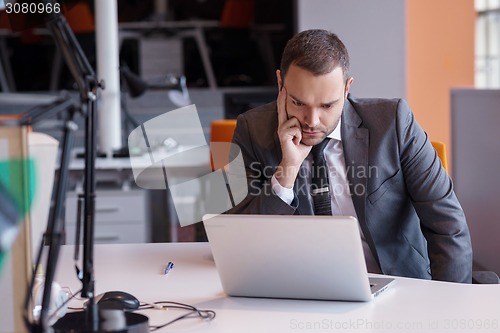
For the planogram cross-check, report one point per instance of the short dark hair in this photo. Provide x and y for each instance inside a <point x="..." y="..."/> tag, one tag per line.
<point x="317" y="51"/>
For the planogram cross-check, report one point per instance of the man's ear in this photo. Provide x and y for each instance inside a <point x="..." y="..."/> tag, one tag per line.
<point x="348" y="86"/>
<point x="278" y="79"/>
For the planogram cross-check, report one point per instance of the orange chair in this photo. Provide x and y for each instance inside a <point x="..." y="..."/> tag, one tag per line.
<point x="440" y="148"/>
<point x="220" y="131"/>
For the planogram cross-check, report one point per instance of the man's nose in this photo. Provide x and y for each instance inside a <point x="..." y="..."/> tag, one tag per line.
<point x="311" y="118"/>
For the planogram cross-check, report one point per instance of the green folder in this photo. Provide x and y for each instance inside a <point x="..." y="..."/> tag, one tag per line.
<point x="17" y="191"/>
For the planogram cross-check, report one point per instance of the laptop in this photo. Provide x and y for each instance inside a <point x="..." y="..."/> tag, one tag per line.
<point x="292" y="256"/>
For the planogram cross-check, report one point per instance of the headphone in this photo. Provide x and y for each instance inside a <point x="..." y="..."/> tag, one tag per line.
<point x="57" y="304"/>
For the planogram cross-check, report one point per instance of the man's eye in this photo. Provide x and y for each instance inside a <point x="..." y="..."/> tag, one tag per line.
<point x="327" y="106"/>
<point x="297" y="103"/>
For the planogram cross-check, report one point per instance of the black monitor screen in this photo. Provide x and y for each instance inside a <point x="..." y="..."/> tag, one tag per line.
<point x="238" y="102"/>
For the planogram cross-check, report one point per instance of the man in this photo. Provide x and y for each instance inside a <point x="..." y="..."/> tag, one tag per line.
<point x="381" y="165"/>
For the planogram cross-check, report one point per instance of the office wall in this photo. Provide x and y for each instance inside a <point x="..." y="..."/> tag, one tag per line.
<point x="440" y="49"/>
<point x="416" y="49"/>
<point x="374" y="34"/>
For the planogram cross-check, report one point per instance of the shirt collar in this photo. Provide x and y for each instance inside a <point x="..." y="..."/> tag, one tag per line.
<point x="336" y="134"/>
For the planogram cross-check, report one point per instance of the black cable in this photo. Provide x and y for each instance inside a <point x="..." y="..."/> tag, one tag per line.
<point x="193" y="312"/>
<point x="209" y="316"/>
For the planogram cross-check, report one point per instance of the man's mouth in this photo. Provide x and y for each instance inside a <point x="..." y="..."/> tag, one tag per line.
<point x="311" y="133"/>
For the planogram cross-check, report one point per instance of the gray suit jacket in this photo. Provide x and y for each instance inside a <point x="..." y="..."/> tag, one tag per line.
<point x="403" y="197"/>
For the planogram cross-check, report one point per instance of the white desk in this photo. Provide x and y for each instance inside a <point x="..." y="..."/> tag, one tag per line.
<point x="111" y="202"/>
<point x="409" y="306"/>
<point x="120" y="168"/>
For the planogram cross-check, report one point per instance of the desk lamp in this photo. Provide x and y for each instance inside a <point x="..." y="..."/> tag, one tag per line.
<point x="88" y="85"/>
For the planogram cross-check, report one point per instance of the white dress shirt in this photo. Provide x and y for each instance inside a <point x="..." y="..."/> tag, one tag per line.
<point x="339" y="188"/>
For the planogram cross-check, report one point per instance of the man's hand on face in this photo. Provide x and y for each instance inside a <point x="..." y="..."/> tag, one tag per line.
<point x="293" y="150"/>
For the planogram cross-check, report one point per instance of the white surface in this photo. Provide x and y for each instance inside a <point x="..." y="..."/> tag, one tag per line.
<point x="144" y="161"/>
<point x="7" y="311"/>
<point x="109" y="111"/>
<point x="43" y="150"/>
<point x="4" y="148"/>
<point x="409" y="306"/>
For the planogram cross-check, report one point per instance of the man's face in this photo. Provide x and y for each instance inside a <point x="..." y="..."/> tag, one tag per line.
<point x="316" y="101"/>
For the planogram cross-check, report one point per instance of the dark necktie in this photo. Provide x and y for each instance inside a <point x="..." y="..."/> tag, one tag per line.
<point x="320" y="190"/>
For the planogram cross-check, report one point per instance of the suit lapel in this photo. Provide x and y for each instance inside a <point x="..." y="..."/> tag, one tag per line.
<point x="355" y="143"/>
<point x="355" y="140"/>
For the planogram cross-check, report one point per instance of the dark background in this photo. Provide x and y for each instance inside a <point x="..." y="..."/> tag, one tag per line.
<point x="234" y="51"/>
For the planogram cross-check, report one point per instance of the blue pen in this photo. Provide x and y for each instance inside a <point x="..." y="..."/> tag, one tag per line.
<point x="169" y="266"/>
